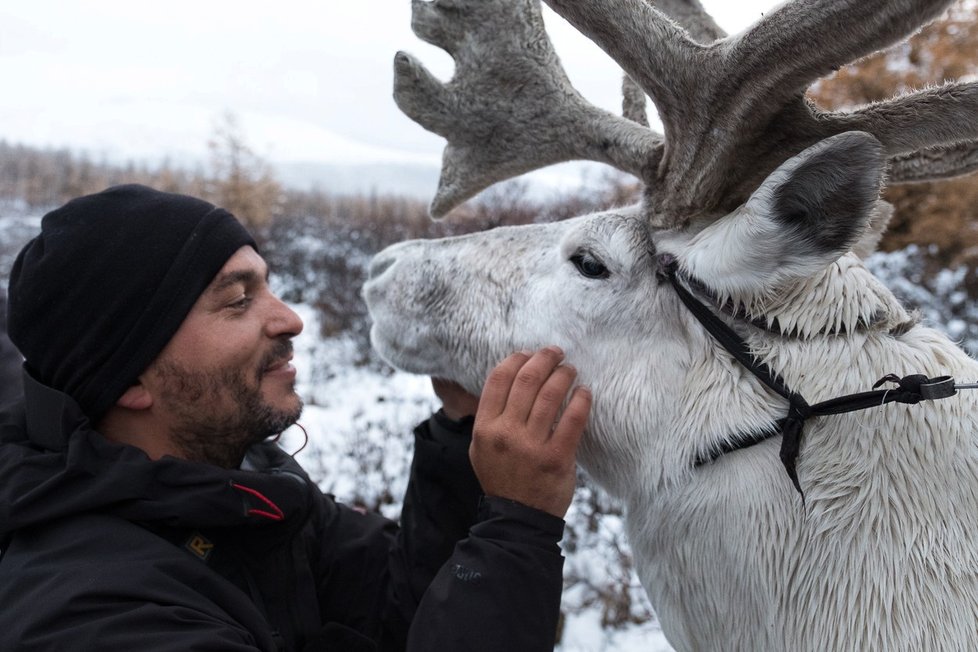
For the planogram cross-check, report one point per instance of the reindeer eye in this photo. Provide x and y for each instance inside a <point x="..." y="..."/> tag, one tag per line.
<point x="589" y="266"/>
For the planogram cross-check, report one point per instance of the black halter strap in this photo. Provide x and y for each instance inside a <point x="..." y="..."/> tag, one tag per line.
<point x="910" y="389"/>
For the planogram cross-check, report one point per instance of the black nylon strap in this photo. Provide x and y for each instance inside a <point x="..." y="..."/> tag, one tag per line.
<point x="911" y="389"/>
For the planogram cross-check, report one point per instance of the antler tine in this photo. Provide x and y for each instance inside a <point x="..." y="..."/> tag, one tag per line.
<point x="633" y="102"/>
<point x="785" y="37"/>
<point x="943" y="115"/>
<point x="694" y="19"/>
<point x="701" y="28"/>
<point x="509" y="108"/>
<point x="934" y="163"/>
<point x="652" y="49"/>
<point x="741" y="98"/>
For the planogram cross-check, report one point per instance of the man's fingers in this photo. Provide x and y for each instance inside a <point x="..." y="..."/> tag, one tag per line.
<point x="529" y="379"/>
<point x="567" y="434"/>
<point x="516" y="450"/>
<point x="496" y="390"/>
<point x="549" y="400"/>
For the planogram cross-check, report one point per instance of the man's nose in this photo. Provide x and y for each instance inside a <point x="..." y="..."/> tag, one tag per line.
<point x="284" y="320"/>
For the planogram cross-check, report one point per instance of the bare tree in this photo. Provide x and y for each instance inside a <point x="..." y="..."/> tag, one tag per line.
<point x="240" y="181"/>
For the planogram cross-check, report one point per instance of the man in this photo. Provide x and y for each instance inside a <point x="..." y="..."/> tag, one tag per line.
<point x="141" y="507"/>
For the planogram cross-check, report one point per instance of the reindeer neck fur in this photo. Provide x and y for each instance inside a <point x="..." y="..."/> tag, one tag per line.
<point x="844" y="298"/>
<point x="897" y="479"/>
<point x="713" y="398"/>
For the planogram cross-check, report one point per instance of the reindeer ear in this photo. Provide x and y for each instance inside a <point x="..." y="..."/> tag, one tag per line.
<point x="815" y="207"/>
<point x="879" y="221"/>
<point x="825" y="196"/>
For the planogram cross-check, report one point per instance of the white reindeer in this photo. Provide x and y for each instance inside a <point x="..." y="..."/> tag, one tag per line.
<point x="755" y="201"/>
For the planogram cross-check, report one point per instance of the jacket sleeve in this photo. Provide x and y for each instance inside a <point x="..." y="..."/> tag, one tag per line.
<point x="440" y="504"/>
<point x="464" y="572"/>
<point x="500" y="589"/>
<point x="373" y="574"/>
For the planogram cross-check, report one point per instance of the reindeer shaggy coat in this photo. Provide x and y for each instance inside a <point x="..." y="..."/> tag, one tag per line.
<point x="880" y="555"/>
<point x="762" y="201"/>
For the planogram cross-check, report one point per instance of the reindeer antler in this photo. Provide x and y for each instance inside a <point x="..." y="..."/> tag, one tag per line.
<point x="509" y="108"/>
<point x="692" y="17"/>
<point x="733" y="109"/>
<point x="935" y="163"/>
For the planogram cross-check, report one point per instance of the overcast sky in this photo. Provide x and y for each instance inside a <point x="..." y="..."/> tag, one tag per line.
<point x="310" y="80"/>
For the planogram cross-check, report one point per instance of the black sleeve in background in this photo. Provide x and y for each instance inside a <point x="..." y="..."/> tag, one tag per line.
<point x="468" y="572"/>
<point x="500" y="590"/>
<point x="357" y="588"/>
<point x="440" y="505"/>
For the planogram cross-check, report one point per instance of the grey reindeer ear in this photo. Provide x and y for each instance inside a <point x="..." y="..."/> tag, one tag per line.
<point x="825" y="196"/>
<point x="879" y="221"/>
<point x="811" y="210"/>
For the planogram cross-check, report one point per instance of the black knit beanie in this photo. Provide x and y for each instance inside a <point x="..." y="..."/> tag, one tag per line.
<point x="97" y="295"/>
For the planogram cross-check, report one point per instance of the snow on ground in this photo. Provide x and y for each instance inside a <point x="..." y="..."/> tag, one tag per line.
<point x="583" y="632"/>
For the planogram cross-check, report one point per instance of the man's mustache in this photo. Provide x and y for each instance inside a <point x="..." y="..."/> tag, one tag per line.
<point x="281" y="350"/>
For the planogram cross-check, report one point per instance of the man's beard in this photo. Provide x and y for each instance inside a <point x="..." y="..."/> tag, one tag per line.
<point x="218" y="414"/>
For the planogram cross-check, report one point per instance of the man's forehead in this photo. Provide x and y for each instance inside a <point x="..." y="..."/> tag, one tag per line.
<point x="244" y="266"/>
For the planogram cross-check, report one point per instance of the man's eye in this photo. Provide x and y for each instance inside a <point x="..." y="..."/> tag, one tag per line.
<point x="240" y="304"/>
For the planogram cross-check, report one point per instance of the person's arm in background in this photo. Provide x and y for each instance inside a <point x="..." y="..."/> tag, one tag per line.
<point x="500" y="588"/>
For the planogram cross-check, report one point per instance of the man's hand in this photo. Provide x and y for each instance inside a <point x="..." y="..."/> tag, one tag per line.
<point x="520" y="450"/>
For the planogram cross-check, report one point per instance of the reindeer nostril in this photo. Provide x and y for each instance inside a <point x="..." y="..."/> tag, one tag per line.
<point x="380" y="264"/>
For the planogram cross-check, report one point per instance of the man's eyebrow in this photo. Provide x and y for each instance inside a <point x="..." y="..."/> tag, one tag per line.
<point x="229" y="279"/>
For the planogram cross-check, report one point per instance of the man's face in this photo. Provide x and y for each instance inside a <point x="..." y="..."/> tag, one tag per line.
<point x="224" y="381"/>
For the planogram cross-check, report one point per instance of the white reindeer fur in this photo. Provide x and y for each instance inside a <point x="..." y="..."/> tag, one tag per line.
<point x="883" y="553"/>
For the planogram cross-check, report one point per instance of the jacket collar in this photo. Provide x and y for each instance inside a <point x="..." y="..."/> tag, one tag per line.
<point x="51" y="415"/>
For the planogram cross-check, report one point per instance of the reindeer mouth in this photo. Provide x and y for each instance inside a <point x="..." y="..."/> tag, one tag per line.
<point x="402" y="348"/>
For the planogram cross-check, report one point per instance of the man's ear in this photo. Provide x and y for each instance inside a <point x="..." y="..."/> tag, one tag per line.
<point x="810" y="211"/>
<point x="137" y="397"/>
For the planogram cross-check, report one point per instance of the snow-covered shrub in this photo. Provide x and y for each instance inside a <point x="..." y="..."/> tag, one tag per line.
<point x="940" y="295"/>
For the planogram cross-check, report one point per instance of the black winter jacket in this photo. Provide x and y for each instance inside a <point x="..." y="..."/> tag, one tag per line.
<point x="10" y="360"/>
<point x="104" y="549"/>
